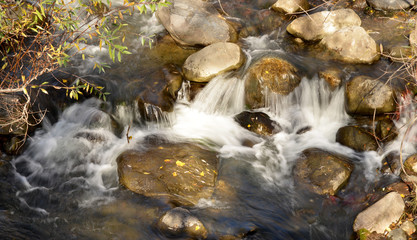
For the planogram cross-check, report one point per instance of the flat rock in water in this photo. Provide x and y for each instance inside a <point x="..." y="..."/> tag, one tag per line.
<point x="322" y="171"/>
<point x="381" y="214"/>
<point x="184" y="172"/>
<point x="213" y="60"/>
<point x="195" y="23"/>
<point x="364" y="95"/>
<point x="352" y="45"/>
<point x="269" y="74"/>
<point x="317" y="25"/>
<point x="391" y="4"/>
<point x="291" y="6"/>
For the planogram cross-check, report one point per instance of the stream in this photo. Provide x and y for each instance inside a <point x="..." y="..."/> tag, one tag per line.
<point x="67" y="181"/>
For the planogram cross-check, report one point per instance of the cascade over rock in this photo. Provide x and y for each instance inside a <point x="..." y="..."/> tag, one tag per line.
<point x="184" y="172"/>
<point x="274" y="74"/>
<point x="323" y="172"/>
<point x="213" y="60"/>
<point x="317" y="25"/>
<point x="379" y="216"/>
<point x="195" y="22"/>
<point x="352" y="44"/>
<point x="364" y="95"/>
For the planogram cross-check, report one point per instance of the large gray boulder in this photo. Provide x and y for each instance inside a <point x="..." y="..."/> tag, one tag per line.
<point x="291" y="6"/>
<point x="352" y="45"/>
<point x="195" y="22"/>
<point x="381" y="214"/>
<point x="317" y="25"/>
<point x="213" y="60"/>
<point x="390" y="4"/>
<point x="181" y="171"/>
<point x="272" y="74"/>
<point x="321" y="171"/>
<point x="364" y="95"/>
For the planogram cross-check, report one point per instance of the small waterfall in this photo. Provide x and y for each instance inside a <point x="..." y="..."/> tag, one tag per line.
<point x="223" y="95"/>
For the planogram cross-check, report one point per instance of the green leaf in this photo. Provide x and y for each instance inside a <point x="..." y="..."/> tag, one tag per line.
<point x="44" y="91"/>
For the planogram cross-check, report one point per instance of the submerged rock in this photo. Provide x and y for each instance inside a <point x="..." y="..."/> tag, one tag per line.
<point x="381" y="214"/>
<point x="272" y="74"/>
<point x="195" y="22"/>
<point x="258" y="122"/>
<point x="352" y="45"/>
<point x="317" y="25"/>
<point x="322" y="171"/>
<point x="364" y="95"/>
<point x="184" y="172"/>
<point x="213" y="60"/>
<point x="391" y="4"/>
<point x="356" y="138"/>
<point x="179" y="222"/>
<point x="291" y="6"/>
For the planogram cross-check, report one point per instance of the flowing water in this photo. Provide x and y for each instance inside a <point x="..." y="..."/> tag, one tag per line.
<point x="67" y="177"/>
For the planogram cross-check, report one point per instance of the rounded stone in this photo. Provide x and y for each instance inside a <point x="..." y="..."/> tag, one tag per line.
<point x="317" y="25"/>
<point x="365" y="95"/>
<point x="352" y="45"/>
<point x="291" y="6"/>
<point x="195" y="23"/>
<point x="178" y="222"/>
<point x="213" y="60"/>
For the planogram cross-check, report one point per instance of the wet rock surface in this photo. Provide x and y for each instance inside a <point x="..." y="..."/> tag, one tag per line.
<point x="258" y="122"/>
<point x="381" y="214"/>
<point x="213" y="60"/>
<point x="272" y="74"/>
<point x="195" y="23"/>
<point x="365" y="95"/>
<point x="357" y="138"/>
<point x="323" y="172"/>
<point x="184" y="172"/>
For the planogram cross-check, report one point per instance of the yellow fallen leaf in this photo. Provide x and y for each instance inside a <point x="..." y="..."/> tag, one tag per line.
<point x="248" y="125"/>
<point x="160" y="148"/>
<point x="179" y="163"/>
<point x="174" y="174"/>
<point x="197" y="228"/>
<point x="146" y="173"/>
<point x="202" y="174"/>
<point x="167" y="160"/>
